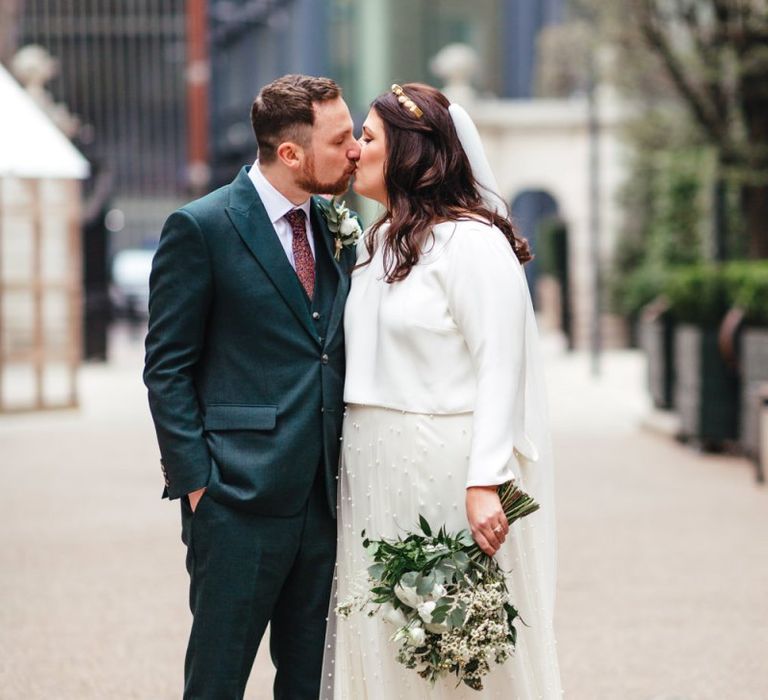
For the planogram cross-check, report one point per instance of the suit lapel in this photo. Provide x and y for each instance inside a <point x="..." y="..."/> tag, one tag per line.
<point x="337" y="308"/>
<point x="248" y="216"/>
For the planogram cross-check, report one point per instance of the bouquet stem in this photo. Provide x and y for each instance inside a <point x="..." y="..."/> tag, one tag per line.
<point x="516" y="504"/>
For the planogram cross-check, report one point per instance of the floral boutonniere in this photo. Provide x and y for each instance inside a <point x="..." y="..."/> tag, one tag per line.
<point x="344" y="226"/>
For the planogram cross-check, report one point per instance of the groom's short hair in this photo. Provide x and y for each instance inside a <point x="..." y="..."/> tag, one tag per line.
<point x="285" y="107"/>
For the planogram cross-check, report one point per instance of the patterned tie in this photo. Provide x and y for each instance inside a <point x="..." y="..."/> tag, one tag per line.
<point x="302" y="253"/>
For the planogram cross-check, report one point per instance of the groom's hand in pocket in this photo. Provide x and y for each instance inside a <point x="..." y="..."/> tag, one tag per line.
<point x="487" y="521"/>
<point x="194" y="498"/>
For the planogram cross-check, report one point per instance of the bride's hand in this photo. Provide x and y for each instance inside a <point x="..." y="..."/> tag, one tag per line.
<point x="487" y="521"/>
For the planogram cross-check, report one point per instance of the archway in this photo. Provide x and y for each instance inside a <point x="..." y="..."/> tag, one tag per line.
<point x="539" y="219"/>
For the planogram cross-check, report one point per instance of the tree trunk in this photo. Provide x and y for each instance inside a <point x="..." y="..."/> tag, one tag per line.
<point x="720" y="251"/>
<point x="754" y="192"/>
<point x="754" y="204"/>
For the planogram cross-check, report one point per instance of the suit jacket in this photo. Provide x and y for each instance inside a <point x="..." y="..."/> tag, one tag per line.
<point x="245" y="374"/>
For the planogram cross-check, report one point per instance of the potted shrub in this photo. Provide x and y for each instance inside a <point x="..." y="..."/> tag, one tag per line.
<point x="748" y="286"/>
<point x="706" y="393"/>
<point x="641" y="298"/>
<point x="657" y="339"/>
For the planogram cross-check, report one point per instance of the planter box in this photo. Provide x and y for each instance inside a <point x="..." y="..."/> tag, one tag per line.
<point x="657" y="339"/>
<point x="754" y="373"/>
<point x="706" y="390"/>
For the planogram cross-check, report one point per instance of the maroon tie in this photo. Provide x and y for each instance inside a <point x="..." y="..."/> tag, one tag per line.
<point x="302" y="253"/>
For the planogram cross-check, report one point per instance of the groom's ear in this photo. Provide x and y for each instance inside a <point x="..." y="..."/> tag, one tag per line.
<point x="290" y="154"/>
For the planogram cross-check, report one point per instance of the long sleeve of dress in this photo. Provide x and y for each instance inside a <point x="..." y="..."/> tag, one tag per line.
<point x="487" y="298"/>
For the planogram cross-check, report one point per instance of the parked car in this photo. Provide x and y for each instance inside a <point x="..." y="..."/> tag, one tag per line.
<point x="129" y="291"/>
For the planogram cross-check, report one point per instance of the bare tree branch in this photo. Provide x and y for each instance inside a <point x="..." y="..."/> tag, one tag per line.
<point x="703" y="111"/>
<point x="709" y="50"/>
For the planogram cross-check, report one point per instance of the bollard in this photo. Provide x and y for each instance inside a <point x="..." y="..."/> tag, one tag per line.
<point x="762" y="455"/>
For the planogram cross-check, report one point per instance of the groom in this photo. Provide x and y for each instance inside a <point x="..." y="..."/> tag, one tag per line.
<point x="245" y="371"/>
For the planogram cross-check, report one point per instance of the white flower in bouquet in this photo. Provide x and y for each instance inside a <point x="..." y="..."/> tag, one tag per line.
<point x="408" y="595"/>
<point x="438" y="591"/>
<point x="437" y="627"/>
<point x="416" y="635"/>
<point x="426" y="609"/>
<point x="394" y="616"/>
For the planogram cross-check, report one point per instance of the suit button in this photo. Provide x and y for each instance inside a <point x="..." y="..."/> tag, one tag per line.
<point x="315" y="315"/>
<point x="324" y="359"/>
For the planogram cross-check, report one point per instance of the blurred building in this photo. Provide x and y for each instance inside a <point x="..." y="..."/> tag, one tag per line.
<point x="394" y="40"/>
<point x="122" y="73"/>
<point x="365" y="45"/>
<point x="251" y="42"/>
<point x="40" y="284"/>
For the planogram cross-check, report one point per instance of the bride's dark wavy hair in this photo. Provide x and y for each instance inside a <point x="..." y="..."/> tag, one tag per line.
<point x="428" y="179"/>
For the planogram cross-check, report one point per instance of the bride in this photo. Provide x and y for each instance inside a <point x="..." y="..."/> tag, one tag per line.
<point x="444" y="397"/>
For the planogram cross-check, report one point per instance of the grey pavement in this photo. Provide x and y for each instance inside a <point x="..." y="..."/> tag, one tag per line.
<point x="663" y="566"/>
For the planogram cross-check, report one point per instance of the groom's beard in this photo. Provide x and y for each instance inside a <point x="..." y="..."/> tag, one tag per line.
<point x="309" y="182"/>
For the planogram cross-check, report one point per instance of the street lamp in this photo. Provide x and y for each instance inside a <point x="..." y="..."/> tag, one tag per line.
<point x="593" y="178"/>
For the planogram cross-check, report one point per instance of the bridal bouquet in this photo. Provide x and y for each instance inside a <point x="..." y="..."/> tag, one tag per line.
<point x="446" y="598"/>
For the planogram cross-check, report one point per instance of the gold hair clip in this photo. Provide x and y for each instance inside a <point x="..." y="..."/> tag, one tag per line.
<point x="406" y="101"/>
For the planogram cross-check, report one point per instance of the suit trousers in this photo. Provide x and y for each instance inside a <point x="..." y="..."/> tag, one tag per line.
<point x="248" y="570"/>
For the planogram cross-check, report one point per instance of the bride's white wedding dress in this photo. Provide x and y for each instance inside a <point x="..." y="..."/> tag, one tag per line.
<point x="442" y="392"/>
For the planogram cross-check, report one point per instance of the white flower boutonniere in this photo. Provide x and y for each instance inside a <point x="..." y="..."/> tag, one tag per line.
<point x="345" y="227"/>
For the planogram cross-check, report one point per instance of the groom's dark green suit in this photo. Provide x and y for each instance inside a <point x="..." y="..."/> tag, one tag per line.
<point x="245" y="376"/>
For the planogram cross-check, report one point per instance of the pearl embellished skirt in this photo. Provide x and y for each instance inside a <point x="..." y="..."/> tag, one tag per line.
<point x="396" y="466"/>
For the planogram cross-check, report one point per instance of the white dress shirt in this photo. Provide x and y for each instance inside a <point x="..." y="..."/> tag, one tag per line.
<point x="457" y="335"/>
<point x="277" y="206"/>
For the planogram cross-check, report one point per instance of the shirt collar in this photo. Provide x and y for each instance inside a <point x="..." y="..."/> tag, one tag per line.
<point x="275" y="202"/>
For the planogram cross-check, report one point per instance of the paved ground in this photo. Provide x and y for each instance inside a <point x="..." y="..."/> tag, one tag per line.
<point x="663" y="585"/>
<point x="663" y="588"/>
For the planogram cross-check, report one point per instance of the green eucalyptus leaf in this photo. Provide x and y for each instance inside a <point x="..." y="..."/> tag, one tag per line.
<point x="440" y="613"/>
<point x="449" y="567"/>
<point x="465" y="538"/>
<point x="425" y="584"/>
<point x="462" y="561"/>
<point x="440" y="575"/>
